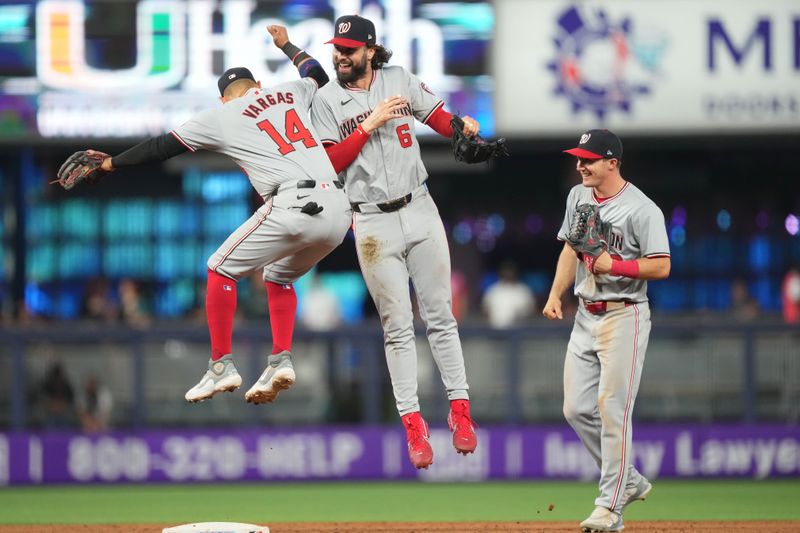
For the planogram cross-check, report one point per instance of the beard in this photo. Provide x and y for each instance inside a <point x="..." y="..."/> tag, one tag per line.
<point x="357" y="71"/>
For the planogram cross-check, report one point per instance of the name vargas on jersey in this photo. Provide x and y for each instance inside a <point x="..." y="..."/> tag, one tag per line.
<point x="267" y="101"/>
<point x="349" y="125"/>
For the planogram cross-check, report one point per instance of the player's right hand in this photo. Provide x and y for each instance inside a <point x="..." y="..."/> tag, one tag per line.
<point x="279" y="34"/>
<point x="384" y="112"/>
<point x="552" y="309"/>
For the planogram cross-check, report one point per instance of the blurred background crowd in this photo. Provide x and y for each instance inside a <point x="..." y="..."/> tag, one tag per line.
<point x="133" y="249"/>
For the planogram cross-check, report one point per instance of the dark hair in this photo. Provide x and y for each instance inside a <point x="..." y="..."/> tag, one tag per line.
<point x="382" y="55"/>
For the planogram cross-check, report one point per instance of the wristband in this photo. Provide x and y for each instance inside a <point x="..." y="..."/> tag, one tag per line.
<point x="294" y="53"/>
<point x="360" y="129"/>
<point x="629" y="269"/>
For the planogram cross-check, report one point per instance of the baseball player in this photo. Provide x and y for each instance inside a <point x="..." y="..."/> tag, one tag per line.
<point x="268" y="133"/>
<point x="398" y="231"/>
<point x="606" y="350"/>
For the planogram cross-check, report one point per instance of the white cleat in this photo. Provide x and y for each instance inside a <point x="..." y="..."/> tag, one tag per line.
<point x="220" y="377"/>
<point x="639" y="493"/>
<point x="278" y="376"/>
<point x="602" y="519"/>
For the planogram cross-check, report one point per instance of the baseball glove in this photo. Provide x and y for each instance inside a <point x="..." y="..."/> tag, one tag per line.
<point x="474" y="149"/>
<point x="81" y="166"/>
<point x="588" y="234"/>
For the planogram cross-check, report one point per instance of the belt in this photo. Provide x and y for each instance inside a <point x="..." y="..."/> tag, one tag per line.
<point x="387" y="207"/>
<point x="598" y="308"/>
<point x="304" y="184"/>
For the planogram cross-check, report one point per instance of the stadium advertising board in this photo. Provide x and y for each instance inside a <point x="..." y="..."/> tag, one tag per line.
<point x="662" y="66"/>
<point x="331" y="453"/>
<point x="71" y="68"/>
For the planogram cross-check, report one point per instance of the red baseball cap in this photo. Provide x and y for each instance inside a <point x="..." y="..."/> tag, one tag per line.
<point x="353" y="31"/>
<point x="598" y="144"/>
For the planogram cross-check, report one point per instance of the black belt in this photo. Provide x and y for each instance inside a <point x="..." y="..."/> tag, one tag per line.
<point x="387" y="207"/>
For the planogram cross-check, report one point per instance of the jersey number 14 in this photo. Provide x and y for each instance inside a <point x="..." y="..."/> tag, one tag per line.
<point x="294" y="129"/>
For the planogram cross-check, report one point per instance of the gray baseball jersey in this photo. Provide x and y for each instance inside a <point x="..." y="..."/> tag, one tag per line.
<point x="268" y="133"/>
<point x="605" y="355"/>
<point x="389" y="166"/>
<point x="406" y="243"/>
<point x="638" y="231"/>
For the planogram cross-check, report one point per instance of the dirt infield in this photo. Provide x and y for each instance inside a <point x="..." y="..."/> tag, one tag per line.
<point x="437" y="527"/>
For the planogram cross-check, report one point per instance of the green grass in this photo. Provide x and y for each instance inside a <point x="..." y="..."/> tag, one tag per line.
<point x="339" y="502"/>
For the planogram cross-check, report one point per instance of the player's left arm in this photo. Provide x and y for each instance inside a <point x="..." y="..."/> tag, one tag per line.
<point x="429" y="109"/>
<point x="651" y="233"/>
<point x="306" y="65"/>
<point x="654" y="267"/>
<point x="154" y="149"/>
<point x="201" y="132"/>
<point x="439" y="121"/>
<point x="645" y="268"/>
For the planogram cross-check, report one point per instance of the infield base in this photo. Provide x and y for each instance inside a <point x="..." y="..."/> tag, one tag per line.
<point x="216" y="527"/>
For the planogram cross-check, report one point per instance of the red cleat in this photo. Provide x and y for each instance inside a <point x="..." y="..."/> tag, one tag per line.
<point x="419" y="450"/>
<point x="464" y="438"/>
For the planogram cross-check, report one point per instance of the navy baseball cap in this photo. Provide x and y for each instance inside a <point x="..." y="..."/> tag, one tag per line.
<point x="231" y="75"/>
<point x="353" y="31"/>
<point x="598" y="144"/>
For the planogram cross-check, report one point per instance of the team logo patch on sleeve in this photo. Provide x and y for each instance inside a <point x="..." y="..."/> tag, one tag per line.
<point x="426" y="88"/>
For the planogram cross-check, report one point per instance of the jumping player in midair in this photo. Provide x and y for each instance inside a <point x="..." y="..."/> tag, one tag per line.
<point x="268" y="133"/>
<point x="606" y="350"/>
<point x="399" y="234"/>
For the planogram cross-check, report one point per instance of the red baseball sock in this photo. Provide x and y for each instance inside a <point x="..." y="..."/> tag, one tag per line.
<point x="220" y="308"/>
<point x="282" y="309"/>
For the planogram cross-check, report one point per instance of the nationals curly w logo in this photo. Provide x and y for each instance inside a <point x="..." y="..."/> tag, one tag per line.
<point x="344" y="27"/>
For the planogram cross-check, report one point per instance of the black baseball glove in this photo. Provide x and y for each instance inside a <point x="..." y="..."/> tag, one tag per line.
<point x="81" y="166"/>
<point x="588" y="234"/>
<point x="474" y="149"/>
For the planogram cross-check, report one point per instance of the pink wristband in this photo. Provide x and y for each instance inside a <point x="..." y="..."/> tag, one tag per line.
<point x="629" y="269"/>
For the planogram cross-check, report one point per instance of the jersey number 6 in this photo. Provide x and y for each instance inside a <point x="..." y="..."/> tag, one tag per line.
<point x="295" y="131"/>
<point x="403" y="136"/>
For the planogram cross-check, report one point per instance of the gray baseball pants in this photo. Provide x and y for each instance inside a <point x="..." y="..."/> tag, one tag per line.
<point x="602" y="371"/>
<point x="392" y="248"/>
<point x="281" y="239"/>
